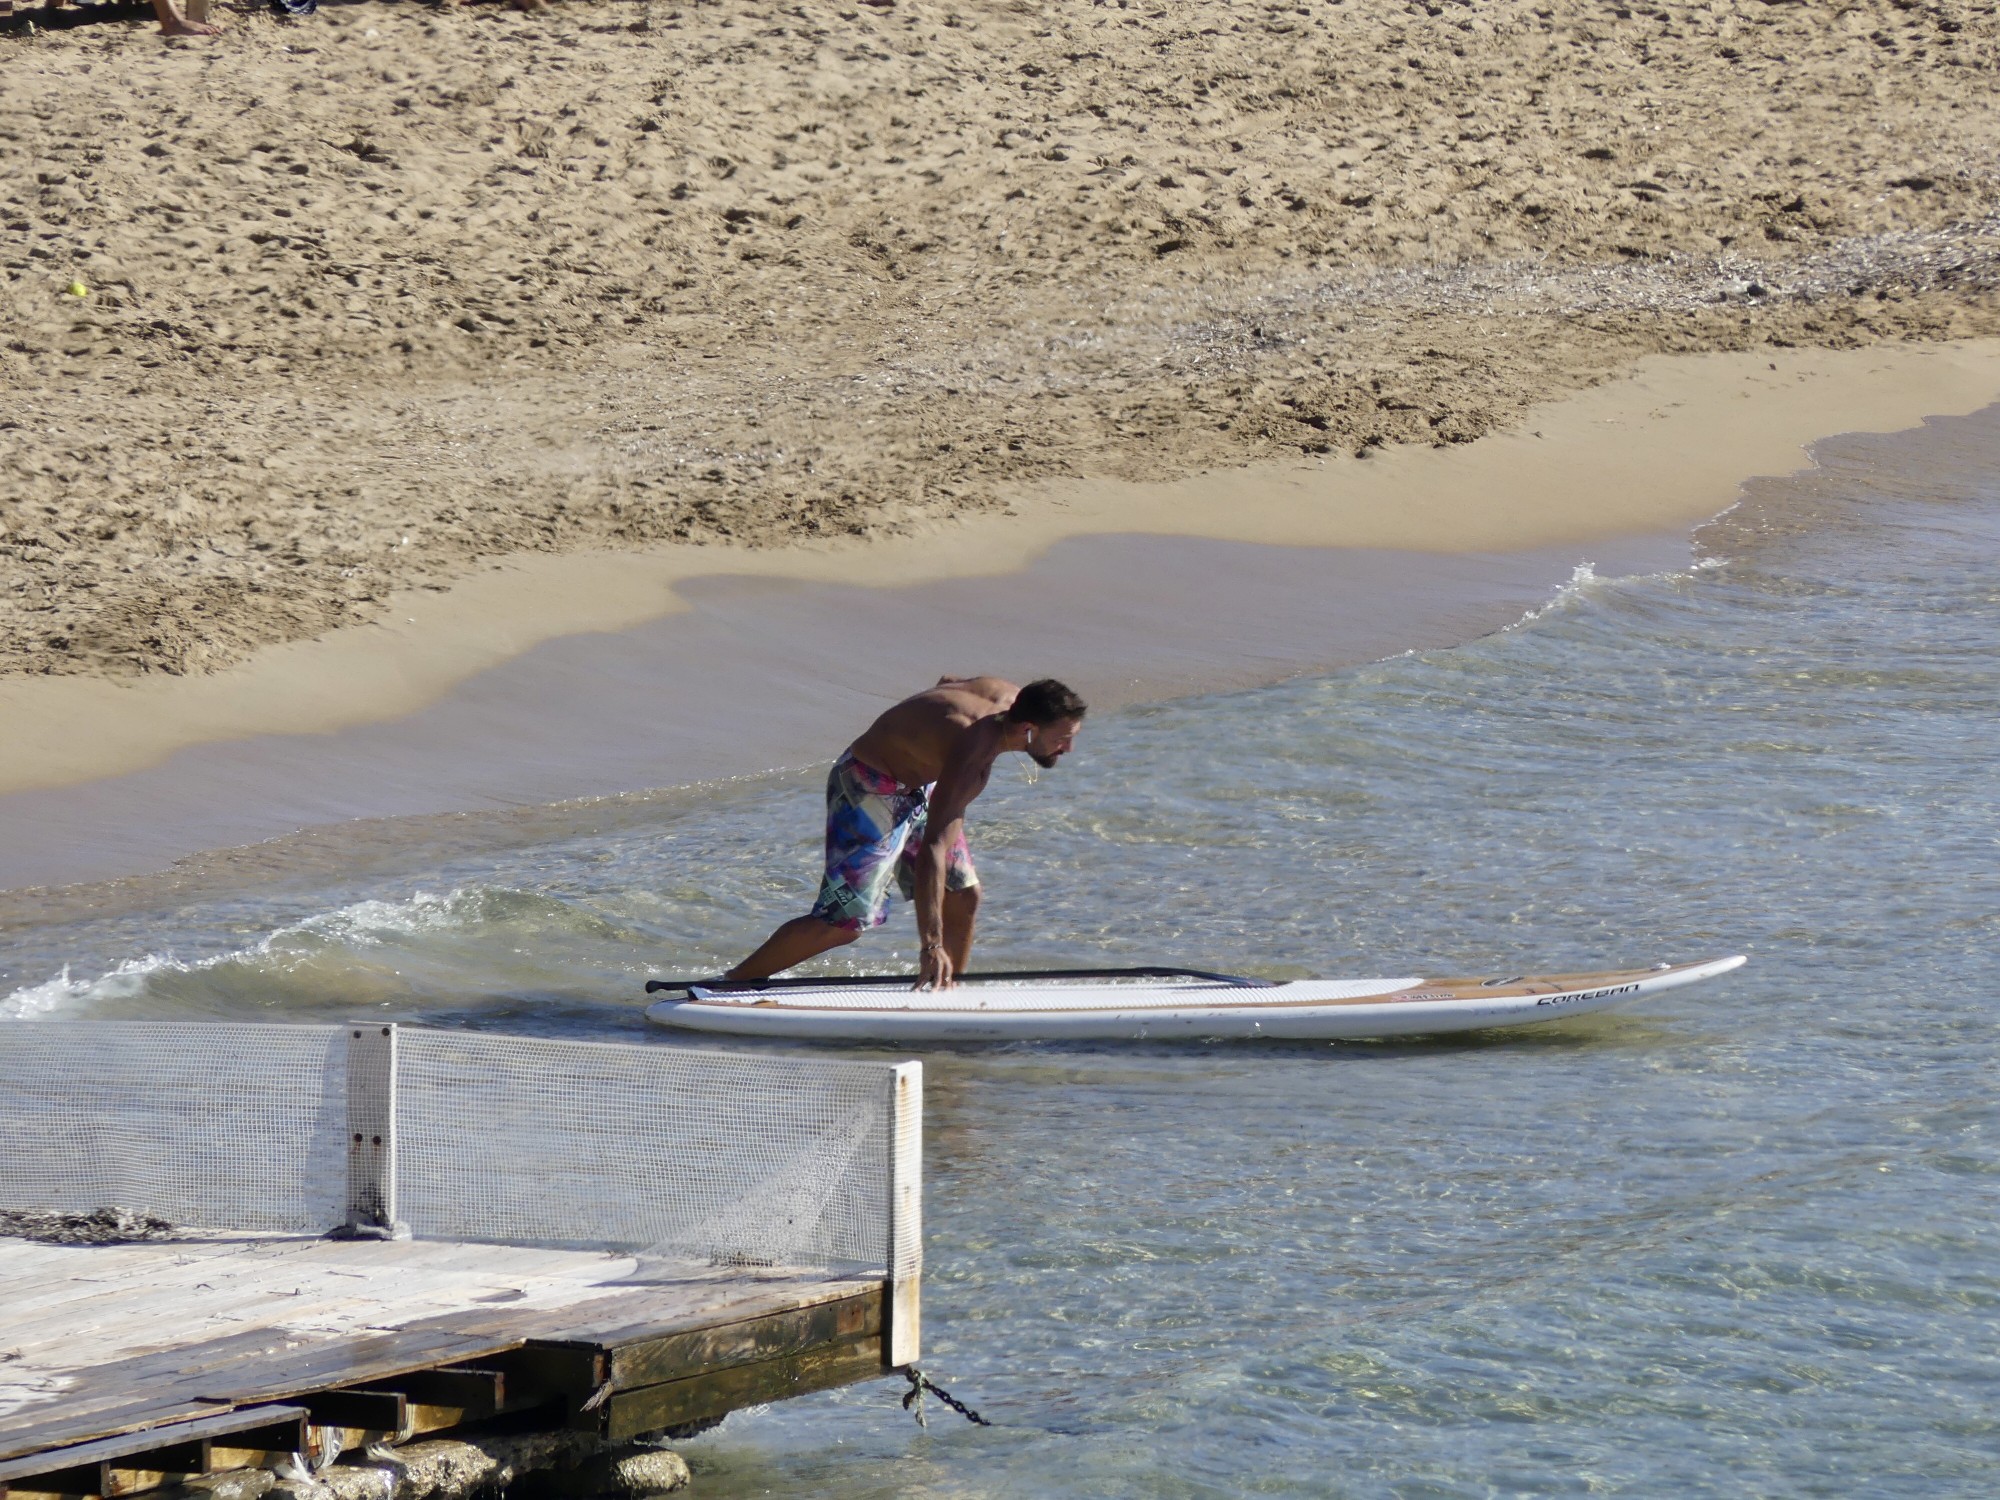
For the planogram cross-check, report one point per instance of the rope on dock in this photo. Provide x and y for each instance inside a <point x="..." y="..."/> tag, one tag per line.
<point x="102" y="1226"/>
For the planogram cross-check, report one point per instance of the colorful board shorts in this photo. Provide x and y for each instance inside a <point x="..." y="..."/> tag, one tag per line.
<point x="874" y="828"/>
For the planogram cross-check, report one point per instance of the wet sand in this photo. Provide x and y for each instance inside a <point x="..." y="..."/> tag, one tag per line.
<point x="760" y="673"/>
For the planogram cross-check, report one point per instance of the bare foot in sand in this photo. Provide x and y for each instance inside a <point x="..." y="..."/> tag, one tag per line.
<point x="173" y="23"/>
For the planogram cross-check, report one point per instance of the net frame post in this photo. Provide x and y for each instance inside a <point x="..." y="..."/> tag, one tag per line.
<point x="903" y="1326"/>
<point x="371" y="1135"/>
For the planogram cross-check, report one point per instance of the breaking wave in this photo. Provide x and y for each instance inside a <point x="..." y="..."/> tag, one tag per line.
<point x="355" y="955"/>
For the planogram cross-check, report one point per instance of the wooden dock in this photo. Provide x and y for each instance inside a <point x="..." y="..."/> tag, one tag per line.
<point x="124" y="1367"/>
<point x="373" y="1245"/>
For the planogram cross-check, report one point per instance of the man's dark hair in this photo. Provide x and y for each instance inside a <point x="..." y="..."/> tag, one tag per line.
<point x="1044" y="702"/>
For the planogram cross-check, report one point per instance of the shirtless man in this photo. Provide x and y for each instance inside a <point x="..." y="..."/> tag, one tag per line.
<point x="895" y="810"/>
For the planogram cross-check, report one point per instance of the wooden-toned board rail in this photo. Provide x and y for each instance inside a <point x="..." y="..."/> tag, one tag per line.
<point x="617" y="1367"/>
<point x="649" y="1408"/>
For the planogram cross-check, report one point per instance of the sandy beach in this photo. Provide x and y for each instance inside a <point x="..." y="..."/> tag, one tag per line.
<point x="370" y="298"/>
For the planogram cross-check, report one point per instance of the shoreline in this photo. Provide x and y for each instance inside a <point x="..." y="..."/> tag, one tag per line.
<point x="582" y="676"/>
<point x="762" y="675"/>
<point x="1663" y="448"/>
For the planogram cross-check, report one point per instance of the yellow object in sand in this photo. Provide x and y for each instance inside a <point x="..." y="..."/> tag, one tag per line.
<point x="78" y="289"/>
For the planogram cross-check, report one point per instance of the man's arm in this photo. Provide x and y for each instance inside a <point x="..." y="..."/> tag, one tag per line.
<point x="966" y="772"/>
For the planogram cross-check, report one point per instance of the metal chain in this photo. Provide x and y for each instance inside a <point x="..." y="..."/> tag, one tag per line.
<point x="913" y="1399"/>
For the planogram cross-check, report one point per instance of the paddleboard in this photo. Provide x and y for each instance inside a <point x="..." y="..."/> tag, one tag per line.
<point x="1151" y="1005"/>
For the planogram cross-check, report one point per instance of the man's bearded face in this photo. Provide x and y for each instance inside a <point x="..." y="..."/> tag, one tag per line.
<point x="1053" y="741"/>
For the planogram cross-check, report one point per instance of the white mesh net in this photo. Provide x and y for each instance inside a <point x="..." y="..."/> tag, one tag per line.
<point x="515" y="1140"/>
<point x="757" y="1160"/>
<point x="224" y="1126"/>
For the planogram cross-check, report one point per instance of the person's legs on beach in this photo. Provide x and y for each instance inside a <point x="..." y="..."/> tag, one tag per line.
<point x="173" y="23"/>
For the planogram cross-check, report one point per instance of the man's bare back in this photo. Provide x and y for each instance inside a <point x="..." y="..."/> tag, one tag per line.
<point x="912" y="741"/>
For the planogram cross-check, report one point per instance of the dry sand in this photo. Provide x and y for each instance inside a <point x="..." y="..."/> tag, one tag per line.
<point x="376" y="295"/>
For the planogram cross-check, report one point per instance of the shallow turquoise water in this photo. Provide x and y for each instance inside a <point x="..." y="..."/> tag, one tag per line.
<point x="1742" y="1239"/>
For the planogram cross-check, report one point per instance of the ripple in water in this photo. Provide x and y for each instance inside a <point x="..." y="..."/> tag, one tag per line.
<point x="1741" y="1239"/>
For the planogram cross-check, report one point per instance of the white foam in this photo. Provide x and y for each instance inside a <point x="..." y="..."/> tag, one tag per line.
<point x="1582" y="579"/>
<point x="369" y="924"/>
<point x="365" y="924"/>
<point x="61" y="991"/>
<point x="1583" y="585"/>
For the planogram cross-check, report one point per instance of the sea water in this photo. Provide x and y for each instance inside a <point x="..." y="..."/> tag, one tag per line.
<point x="1744" y="1239"/>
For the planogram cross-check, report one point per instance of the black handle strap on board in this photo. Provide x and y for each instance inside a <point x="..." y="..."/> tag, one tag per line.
<point x="855" y="981"/>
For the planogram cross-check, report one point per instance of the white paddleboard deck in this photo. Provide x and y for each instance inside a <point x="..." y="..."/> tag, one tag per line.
<point x="1190" y="1007"/>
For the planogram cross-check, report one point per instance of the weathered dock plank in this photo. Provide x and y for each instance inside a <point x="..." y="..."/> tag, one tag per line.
<point x="650" y="1359"/>
<point x="126" y="1296"/>
<point x="630" y="1413"/>
<point x="135" y="1346"/>
<point x="174" y="1385"/>
<point x="135" y="1460"/>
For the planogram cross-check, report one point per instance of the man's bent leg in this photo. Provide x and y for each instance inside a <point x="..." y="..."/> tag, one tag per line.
<point x="795" y="942"/>
<point x="960" y="907"/>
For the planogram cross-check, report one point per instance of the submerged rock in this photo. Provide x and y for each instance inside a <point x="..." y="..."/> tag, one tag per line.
<point x="525" y="1465"/>
<point x="651" y="1472"/>
<point x="236" y="1484"/>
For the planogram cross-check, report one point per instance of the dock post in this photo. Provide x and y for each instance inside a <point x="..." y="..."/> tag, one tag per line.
<point x="371" y="1135"/>
<point x="906" y="1218"/>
